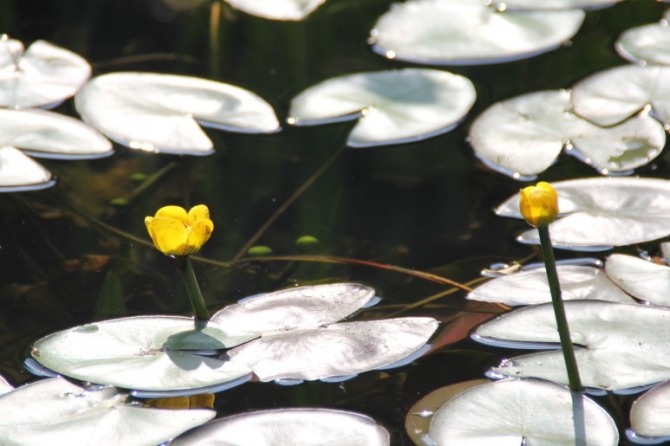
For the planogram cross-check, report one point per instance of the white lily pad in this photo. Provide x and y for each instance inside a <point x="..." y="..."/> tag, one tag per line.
<point x="643" y="279"/>
<point x="19" y="172"/>
<point x="295" y="426"/>
<point x="649" y="416"/>
<point x="161" y="112"/>
<point x="610" y="96"/>
<point x="530" y="287"/>
<point x="44" y="76"/>
<point x="277" y="9"/>
<point x="143" y="353"/>
<point x="466" y="32"/>
<point x="646" y="44"/>
<point x="597" y="213"/>
<point x="522" y="411"/>
<point x="620" y="346"/>
<point x="294" y="308"/>
<point x="523" y="136"/>
<point x="55" y="411"/>
<point x="392" y="107"/>
<point x="334" y="350"/>
<point x="551" y="5"/>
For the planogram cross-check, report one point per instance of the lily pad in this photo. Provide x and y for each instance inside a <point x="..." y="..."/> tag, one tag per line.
<point x="161" y="112"/>
<point x="335" y="350"/>
<point x="530" y="287"/>
<point x="643" y="279"/>
<point x="620" y="346"/>
<point x="143" y="353"/>
<point x="522" y="411"/>
<point x="649" y="416"/>
<point x="551" y="5"/>
<point x="19" y="172"/>
<point x="295" y="426"/>
<point x="55" y="411"/>
<point x="597" y="213"/>
<point x="523" y="136"/>
<point x="392" y="107"/>
<point x="277" y="9"/>
<point x="611" y="96"/>
<point x="44" y="76"/>
<point x="465" y="32"/>
<point x="646" y="44"/>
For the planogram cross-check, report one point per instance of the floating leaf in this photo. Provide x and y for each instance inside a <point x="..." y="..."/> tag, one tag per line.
<point x="55" y="411"/>
<point x="613" y="95"/>
<point x="645" y="280"/>
<point x="295" y="426"/>
<point x="649" y="416"/>
<point x="19" y="172"/>
<point x="523" y="136"/>
<point x="622" y="346"/>
<point x="522" y="411"/>
<point x="44" y="76"/>
<point x="392" y="107"/>
<point x="603" y="212"/>
<point x="277" y="9"/>
<point x="646" y="44"/>
<point x="551" y="5"/>
<point x="530" y="287"/>
<point x="161" y="112"/>
<point x="144" y="353"/>
<point x="465" y="32"/>
<point x="335" y="350"/>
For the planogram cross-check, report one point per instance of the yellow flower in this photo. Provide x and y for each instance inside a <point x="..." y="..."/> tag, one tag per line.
<point x="178" y="233"/>
<point x="539" y="204"/>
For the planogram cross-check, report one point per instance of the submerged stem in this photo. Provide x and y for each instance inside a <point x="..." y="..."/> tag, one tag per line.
<point x="193" y="289"/>
<point x="559" y="311"/>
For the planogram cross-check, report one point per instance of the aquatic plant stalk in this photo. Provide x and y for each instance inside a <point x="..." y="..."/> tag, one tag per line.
<point x="193" y="289"/>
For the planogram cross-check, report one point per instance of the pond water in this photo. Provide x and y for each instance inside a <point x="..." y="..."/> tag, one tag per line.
<point x="78" y="252"/>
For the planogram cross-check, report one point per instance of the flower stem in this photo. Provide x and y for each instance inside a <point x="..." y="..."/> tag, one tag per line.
<point x="193" y="289"/>
<point x="559" y="311"/>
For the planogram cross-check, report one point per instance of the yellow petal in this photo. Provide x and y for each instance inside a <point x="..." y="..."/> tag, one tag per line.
<point x="539" y="204"/>
<point x="176" y="212"/>
<point x="199" y="212"/>
<point x="200" y="232"/>
<point x="168" y="234"/>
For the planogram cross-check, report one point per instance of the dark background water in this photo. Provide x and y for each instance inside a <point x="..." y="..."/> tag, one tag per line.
<point x="424" y="206"/>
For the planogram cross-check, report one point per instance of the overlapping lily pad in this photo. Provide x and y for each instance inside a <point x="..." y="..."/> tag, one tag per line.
<point x="522" y="411"/>
<point x="551" y="5"/>
<point x="649" y="417"/>
<point x="55" y="411"/>
<point x="648" y="281"/>
<point x="523" y="136"/>
<point x="42" y="76"/>
<point x="161" y="112"/>
<point x="277" y="9"/>
<point x="597" y="213"/>
<point x="392" y="107"/>
<point x="646" y="44"/>
<point x="465" y="32"/>
<point x="296" y="426"/>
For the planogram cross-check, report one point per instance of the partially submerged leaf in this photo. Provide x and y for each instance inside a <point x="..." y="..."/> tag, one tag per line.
<point x="19" y="172"/>
<point x="551" y="5"/>
<point x="392" y="107"/>
<point x="645" y="280"/>
<point x="649" y="416"/>
<point x="646" y="44"/>
<point x="161" y="112"/>
<point x="277" y="9"/>
<point x="295" y="426"/>
<point x="465" y="32"/>
<point x="522" y="411"/>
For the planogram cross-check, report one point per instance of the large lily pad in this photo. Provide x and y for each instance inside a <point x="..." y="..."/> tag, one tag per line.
<point x="465" y="32"/>
<point x="143" y="353"/>
<point x="530" y="286"/>
<point x="522" y="411"/>
<point x="296" y="426"/>
<point x="598" y="213"/>
<point x="161" y="112"/>
<point x="277" y="9"/>
<point x="646" y="44"/>
<point x="523" y="136"/>
<point x="19" y="172"/>
<point x="649" y="416"/>
<point x="392" y="107"/>
<point x="552" y="5"/>
<point x="55" y="411"/>
<point x="645" y="280"/>
<point x="621" y="346"/>
<point x="43" y="76"/>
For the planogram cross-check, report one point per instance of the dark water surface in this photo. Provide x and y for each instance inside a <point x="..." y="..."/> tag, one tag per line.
<point x="424" y="206"/>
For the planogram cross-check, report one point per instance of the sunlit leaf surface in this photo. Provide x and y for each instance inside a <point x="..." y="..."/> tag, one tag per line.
<point x="334" y="350"/>
<point x="533" y="5"/>
<point x="277" y="9"/>
<point x="603" y="212"/>
<point x="649" y="415"/>
<point x="44" y="76"/>
<point x="57" y="412"/>
<point x="646" y="44"/>
<point x="19" y="172"/>
<point x="466" y="32"/>
<point x="645" y="280"/>
<point x="530" y="286"/>
<point x="522" y="411"/>
<point x="392" y="107"/>
<point x="297" y="427"/>
<point x="144" y="353"/>
<point x="524" y="135"/>
<point x="620" y="346"/>
<point x="610" y="96"/>
<point x="161" y="112"/>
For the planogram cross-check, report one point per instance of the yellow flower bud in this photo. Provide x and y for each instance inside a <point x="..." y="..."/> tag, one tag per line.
<point x="177" y="232"/>
<point x="539" y="204"/>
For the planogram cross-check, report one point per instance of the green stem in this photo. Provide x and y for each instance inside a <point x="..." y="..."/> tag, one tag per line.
<point x="559" y="311"/>
<point x="193" y="289"/>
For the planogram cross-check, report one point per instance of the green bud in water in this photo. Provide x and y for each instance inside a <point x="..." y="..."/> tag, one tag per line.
<point x="120" y="201"/>
<point x="259" y="250"/>
<point x="138" y="177"/>
<point x="306" y="241"/>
